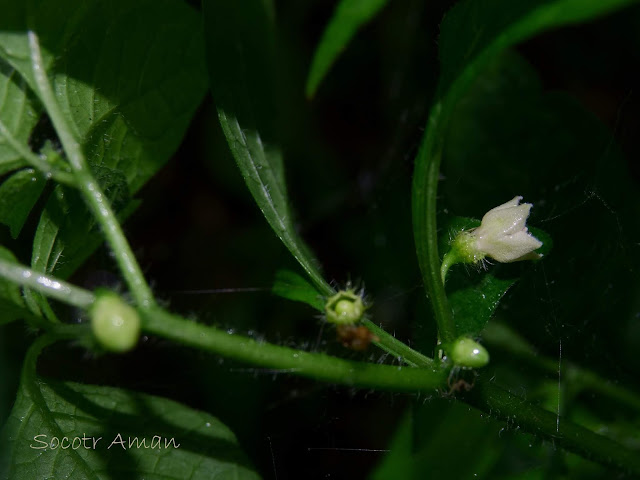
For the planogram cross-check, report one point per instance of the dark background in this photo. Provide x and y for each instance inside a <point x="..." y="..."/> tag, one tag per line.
<point x="349" y="157"/>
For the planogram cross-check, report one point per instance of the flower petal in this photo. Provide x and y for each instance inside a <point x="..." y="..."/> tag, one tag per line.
<point x="509" y="248"/>
<point x="514" y="202"/>
<point x="506" y="221"/>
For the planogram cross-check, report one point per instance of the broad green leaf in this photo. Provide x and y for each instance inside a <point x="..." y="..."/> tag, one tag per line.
<point x="349" y="16"/>
<point x="128" y="78"/>
<point x="19" y="113"/>
<point x="292" y="286"/>
<point x="12" y="306"/>
<point x="473" y="33"/>
<point x="47" y="411"/>
<point x="67" y="233"/>
<point x="242" y="69"/>
<point x="18" y="195"/>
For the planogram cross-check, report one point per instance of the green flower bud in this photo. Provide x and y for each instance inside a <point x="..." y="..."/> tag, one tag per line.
<point x="344" y="308"/>
<point x="468" y="353"/>
<point x="115" y="324"/>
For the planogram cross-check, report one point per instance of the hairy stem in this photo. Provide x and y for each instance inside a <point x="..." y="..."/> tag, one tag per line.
<point x="89" y="187"/>
<point x="501" y="337"/>
<point x="398" y="349"/>
<point x="318" y="366"/>
<point x="424" y="198"/>
<point x="312" y="365"/>
<point x="521" y="414"/>
<point x="51" y="287"/>
<point x="485" y="396"/>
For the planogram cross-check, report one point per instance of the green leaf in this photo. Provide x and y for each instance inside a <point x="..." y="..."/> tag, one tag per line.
<point x="474" y="304"/>
<point x="206" y="447"/>
<point x="292" y="286"/>
<point x="128" y="78"/>
<point x="474" y="32"/>
<point x="242" y="63"/>
<point x="19" y="113"/>
<point x="12" y="306"/>
<point x="349" y="16"/>
<point x="18" y="195"/>
<point x="67" y="233"/>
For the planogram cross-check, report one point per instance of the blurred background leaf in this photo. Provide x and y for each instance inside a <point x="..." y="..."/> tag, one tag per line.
<point x="347" y="18"/>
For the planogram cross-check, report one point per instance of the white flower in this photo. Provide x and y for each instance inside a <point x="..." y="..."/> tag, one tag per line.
<point x="503" y="234"/>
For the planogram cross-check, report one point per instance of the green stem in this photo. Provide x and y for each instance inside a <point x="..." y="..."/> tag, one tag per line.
<point x="89" y="187"/>
<point x="485" y="396"/>
<point x="527" y="417"/>
<point x="312" y="365"/>
<point x="424" y="198"/>
<point x="398" y="349"/>
<point x="502" y="337"/>
<point x="51" y="287"/>
<point x="35" y="161"/>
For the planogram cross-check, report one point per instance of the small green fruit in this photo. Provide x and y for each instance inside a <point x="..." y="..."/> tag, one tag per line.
<point x="344" y="308"/>
<point x="115" y="324"/>
<point x="468" y="353"/>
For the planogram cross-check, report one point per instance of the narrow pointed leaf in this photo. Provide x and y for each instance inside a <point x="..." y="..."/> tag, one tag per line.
<point x="242" y="67"/>
<point x="292" y="286"/>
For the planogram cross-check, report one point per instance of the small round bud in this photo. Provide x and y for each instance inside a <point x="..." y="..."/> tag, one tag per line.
<point x="468" y="353"/>
<point x="344" y="308"/>
<point x="115" y="324"/>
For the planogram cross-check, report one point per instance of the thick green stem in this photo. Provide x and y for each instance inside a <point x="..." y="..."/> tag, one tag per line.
<point x="89" y="187"/>
<point x="424" y="197"/>
<point x="485" y="396"/>
<point x="525" y="416"/>
<point x="51" y="287"/>
<point x="500" y="336"/>
<point x="312" y="365"/>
